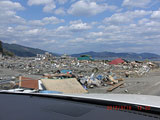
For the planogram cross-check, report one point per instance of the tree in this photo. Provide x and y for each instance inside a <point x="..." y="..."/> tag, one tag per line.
<point x="8" y="53"/>
<point x="85" y="56"/>
<point x="1" y="47"/>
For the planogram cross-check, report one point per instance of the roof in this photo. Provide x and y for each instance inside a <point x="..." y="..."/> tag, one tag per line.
<point x="116" y="61"/>
<point x="66" y="71"/>
<point x="70" y="85"/>
<point x="84" y="58"/>
<point x="26" y="82"/>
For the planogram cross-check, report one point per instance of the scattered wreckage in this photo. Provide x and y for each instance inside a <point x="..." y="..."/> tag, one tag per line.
<point x="89" y="73"/>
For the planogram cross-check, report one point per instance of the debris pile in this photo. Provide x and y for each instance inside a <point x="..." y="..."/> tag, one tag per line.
<point x="100" y="80"/>
<point x="90" y="73"/>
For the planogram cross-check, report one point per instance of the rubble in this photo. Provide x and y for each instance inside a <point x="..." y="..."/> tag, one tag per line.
<point x="89" y="73"/>
<point x="115" y="86"/>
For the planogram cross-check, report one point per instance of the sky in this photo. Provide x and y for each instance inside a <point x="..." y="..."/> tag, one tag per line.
<point x="75" y="26"/>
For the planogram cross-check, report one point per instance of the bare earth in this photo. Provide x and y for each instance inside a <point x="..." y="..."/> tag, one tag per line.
<point x="9" y="73"/>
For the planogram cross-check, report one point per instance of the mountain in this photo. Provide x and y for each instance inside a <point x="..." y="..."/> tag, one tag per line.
<point x="110" y="55"/>
<point x="23" y="51"/>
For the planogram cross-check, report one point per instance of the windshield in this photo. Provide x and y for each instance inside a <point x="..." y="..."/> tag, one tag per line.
<point x="80" y="46"/>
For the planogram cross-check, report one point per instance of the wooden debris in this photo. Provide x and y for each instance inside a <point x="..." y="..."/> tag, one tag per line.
<point x="115" y="86"/>
<point x="120" y="79"/>
<point x="68" y="86"/>
<point x="109" y="83"/>
<point x="112" y="79"/>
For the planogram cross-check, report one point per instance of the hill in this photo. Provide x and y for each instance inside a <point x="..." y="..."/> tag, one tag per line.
<point x="23" y="51"/>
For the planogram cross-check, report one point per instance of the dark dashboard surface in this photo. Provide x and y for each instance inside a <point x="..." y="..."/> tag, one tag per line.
<point x="29" y="107"/>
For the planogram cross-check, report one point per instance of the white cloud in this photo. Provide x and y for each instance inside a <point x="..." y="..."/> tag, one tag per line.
<point x="61" y="29"/>
<point x="10" y="29"/>
<point x="143" y="21"/>
<point x="152" y="24"/>
<point x="39" y="2"/>
<point x="78" y="26"/>
<point x="8" y="5"/>
<point x="8" y="12"/>
<point x="156" y="14"/>
<point x="86" y="8"/>
<point x="46" y="20"/>
<point x="36" y="22"/>
<point x="74" y="26"/>
<point x="60" y="11"/>
<point x="127" y="30"/>
<point x="10" y="17"/>
<point x="126" y="17"/>
<point x="95" y="34"/>
<point x="136" y="3"/>
<point x="77" y="40"/>
<point x="62" y="1"/>
<point x="113" y="28"/>
<point x="32" y="32"/>
<point x="49" y="5"/>
<point x="52" y="20"/>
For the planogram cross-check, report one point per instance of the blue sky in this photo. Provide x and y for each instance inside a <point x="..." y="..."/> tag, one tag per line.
<point x="74" y="26"/>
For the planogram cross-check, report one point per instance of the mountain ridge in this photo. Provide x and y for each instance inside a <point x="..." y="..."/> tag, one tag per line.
<point x="23" y="51"/>
<point x="123" y="55"/>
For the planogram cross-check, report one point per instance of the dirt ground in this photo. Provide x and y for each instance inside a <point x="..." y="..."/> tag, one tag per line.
<point x="147" y="85"/>
<point x="9" y="73"/>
